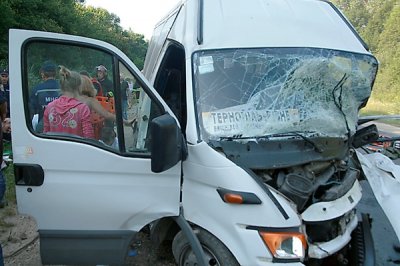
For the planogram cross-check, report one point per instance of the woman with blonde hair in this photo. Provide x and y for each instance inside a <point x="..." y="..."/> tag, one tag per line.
<point x="68" y="114"/>
<point x="87" y="96"/>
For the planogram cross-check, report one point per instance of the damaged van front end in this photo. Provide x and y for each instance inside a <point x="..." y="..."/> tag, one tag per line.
<point x="268" y="95"/>
<point x="289" y="116"/>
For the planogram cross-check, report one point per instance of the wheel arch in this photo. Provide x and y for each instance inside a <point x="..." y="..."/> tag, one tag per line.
<point x="163" y="229"/>
<point x="168" y="227"/>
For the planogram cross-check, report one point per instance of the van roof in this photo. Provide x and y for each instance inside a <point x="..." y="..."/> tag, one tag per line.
<point x="264" y="23"/>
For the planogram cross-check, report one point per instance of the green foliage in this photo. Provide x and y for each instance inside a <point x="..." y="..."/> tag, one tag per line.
<point x="10" y="197"/>
<point x="388" y="52"/>
<point x="69" y="17"/>
<point x="10" y="184"/>
<point x="378" y="22"/>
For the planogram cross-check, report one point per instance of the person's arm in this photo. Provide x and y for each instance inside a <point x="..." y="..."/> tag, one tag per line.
<point x="33" y="103"/>
<point x="3" y="112"/>
<point x="98" y="108"/>
<point x="110" y="86"/>
<point x="46" y="123"/>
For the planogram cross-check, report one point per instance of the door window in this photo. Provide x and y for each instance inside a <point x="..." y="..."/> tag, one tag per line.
<point x="81" y="93"/>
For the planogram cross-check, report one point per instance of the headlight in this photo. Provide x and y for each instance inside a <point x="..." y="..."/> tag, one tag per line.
<point x="285" y="245"/>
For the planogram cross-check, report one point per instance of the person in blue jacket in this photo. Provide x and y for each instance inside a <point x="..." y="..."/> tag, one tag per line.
<point x="43" y="94"/>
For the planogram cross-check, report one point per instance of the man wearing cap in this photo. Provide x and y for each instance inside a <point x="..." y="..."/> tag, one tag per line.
<point x="106" y="84"/>
<point x="5" y="91"/>
<point x="44" y="93"/>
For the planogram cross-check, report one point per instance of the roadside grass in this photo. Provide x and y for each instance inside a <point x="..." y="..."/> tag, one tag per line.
<point x="10" y="184"/>
<point x="9" y="209"/>
<point x="378" y="107"/>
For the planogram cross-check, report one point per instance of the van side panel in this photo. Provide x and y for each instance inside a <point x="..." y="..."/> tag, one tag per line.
<point x="57" y="245"/>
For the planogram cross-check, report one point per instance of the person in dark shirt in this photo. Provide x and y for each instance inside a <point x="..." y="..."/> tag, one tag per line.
<point x="5" y="92"/>
<point x="95" y="82"/>
<point x="44" y="93"/>
<point x="106" y="84"/>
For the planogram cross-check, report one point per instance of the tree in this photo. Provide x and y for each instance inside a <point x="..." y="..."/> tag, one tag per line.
<point x="378" y="12"/>
<point x="378" y="22"/>
<point x="69" y="17"/>
<point x="388" y="52"/>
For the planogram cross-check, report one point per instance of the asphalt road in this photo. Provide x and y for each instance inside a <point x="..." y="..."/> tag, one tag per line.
<point x="382" y="232"/>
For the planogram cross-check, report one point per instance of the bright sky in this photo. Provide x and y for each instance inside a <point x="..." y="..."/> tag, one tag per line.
<point x="138" y="15"/>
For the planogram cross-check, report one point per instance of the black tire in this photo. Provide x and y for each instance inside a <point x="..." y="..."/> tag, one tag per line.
<point x="216" y="253"/>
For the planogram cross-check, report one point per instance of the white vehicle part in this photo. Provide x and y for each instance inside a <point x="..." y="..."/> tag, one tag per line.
<point x="323" y="211"/>
<point x="68" y="186"/>
<point x="384" y="178"/>
<point x="330" y="210"/>
<point x="206" y="170"/>
<point x="273" y="23"/>
<point x="322" y="250"/>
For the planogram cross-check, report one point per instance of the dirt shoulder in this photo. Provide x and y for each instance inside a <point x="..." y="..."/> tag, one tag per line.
<point x="19" y="238"/>
<point x="21" y="246"/>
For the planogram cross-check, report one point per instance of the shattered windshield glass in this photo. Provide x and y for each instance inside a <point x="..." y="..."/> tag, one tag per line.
<point x="245" y="93"/>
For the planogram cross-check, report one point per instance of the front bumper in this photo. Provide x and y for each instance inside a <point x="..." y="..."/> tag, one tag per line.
<point x="359" y="251"/>
<point x="325" y="249"/>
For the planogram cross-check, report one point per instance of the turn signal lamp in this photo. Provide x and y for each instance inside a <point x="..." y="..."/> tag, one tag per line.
<point x="233" y="198"/>
<point x="285" y="245"/>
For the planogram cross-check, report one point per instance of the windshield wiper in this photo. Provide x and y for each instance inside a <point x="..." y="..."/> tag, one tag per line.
<point x="277" y="135"/>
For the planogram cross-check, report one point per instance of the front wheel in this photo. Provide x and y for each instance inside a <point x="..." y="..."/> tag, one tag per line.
<point x="215" y="252"/>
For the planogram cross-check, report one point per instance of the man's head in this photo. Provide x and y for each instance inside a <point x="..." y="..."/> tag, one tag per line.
<point x="101" y="72"/>
<point x="48" y="70"/>
<point x="4" y="76"/>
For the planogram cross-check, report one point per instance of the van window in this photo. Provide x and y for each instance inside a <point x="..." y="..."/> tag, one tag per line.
<point x="170" y="82"/>
<point x="78" y="93"/>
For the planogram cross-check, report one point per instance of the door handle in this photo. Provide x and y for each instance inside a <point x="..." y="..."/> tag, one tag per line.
<point x="28" y="174"/>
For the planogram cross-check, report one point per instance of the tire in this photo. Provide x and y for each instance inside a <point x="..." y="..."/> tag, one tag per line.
<point x="216" y="253"/>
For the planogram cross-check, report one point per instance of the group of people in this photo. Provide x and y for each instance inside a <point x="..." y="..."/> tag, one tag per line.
<point x="5" y="93"/>
<point x="5" y="126"/>
<point x="66" y="106"/>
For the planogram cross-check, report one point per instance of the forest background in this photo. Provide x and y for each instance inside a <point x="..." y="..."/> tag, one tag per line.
<point x="377" y="21"/>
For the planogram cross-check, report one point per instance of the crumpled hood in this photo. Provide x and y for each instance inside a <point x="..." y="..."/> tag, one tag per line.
<point x="66" y="104"/>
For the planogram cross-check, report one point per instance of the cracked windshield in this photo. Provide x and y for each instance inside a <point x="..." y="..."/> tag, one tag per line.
<point x="246" y="93"/>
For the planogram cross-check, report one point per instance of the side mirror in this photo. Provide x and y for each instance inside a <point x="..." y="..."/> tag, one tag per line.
<point x="167" y="144"/>
<point x="365" y="136"/>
